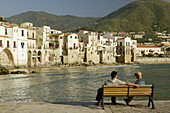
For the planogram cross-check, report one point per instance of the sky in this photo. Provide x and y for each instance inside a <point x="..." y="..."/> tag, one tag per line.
<point x="82" y="8"/>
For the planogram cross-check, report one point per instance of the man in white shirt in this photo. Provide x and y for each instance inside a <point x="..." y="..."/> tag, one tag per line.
<point x="112" y="82"/>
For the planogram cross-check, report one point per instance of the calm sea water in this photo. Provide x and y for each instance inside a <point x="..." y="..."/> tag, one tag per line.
<point x="78" y="84"/>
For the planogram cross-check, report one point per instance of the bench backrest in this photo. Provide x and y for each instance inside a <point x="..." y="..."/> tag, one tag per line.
<point x="123" y="90"/>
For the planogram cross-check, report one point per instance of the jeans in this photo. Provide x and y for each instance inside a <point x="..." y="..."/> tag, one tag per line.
<point x="99" y="96"/>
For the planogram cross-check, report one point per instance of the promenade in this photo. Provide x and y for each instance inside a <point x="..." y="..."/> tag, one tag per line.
<point x="162" y="106"/>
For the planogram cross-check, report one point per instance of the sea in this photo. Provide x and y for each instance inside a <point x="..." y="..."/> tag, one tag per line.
<point x="79" y="84"/>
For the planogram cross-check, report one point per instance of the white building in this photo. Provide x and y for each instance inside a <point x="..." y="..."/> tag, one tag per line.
<point x="70" y="49"/>
<point x="90" y="40"/>
<point x="125" y="50"/>
<point x="143" y="50"/>
<point x="106" y="49"/>
<point x="13" y="45"/>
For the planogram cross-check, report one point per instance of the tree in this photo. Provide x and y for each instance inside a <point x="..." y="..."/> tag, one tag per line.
<point x="143" y="53"/>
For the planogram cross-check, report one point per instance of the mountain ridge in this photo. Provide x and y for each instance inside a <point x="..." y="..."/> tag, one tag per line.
<point x="62" y="22"/>
<point x="139" y="15"/>
<point x="136" y="16"/>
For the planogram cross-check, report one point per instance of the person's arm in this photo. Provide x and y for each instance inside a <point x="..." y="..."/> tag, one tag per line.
<point x="131" y="84"/>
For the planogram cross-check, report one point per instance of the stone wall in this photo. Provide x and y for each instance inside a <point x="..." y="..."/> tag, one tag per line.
<point x="152" y="60"/>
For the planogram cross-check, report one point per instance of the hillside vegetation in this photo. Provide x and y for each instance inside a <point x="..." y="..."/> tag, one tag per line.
<point x="65" y="23"/>
<point x="140" y="15"/>
<point x="2" y="19"/>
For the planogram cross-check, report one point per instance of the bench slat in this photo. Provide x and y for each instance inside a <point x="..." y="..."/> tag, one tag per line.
<point x="125" y="86"/>
<point x="114" y="89"/>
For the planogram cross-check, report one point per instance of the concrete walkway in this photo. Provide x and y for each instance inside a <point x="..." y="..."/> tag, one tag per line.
<point x="85" y="107"/>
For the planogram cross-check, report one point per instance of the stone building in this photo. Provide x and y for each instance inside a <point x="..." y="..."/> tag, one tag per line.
<point x="124" y="50"/>
<point x="143" y="50"/>
<point x="106" y="49"/>
<point x="13" y="45"/>
<point x="70" y="49"/>
<point x="56" y="45"/>
<point x="90" y="40"/>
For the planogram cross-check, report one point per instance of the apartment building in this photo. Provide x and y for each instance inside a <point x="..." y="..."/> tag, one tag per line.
<point x="13" y="45"/>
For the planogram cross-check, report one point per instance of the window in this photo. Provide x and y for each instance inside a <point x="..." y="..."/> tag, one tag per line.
<point x="22" y="44"/>
<point x="120" y="50"/>
<point x="120" y="43"/>
<point x="75" y="37"/>
<point x="0" y="43"/>
<point x="22" y="33"/>
<point x="27" y="34"/>
<point x="128" y="43"/>
<point x="92" y="38"/>
<point x="74" y="45"/>
<point x="6" y="32"/>
<point x="70" y="36"/>
<point x="7" y="43"/>
<point x="14" y="44"/>
<point x="32" y="35"/>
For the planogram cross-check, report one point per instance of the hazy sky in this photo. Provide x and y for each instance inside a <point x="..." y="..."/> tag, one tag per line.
<point x="83" y="8"/>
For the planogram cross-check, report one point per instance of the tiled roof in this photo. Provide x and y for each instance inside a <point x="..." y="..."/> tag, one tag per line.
<point x="57" y="34"/>
<point x="67" y="34"/>
<point x="122" y="38"/>
<point x="13" y="25"/>
<point x="146" y="46"/>
<point x="4" y="36"/>
<point x="107" y="38"/>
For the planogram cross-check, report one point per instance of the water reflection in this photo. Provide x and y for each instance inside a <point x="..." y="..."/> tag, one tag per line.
<point x="64" y="84"/>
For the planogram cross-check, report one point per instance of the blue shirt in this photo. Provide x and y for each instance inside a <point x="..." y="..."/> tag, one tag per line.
<point x="140" y="81"/>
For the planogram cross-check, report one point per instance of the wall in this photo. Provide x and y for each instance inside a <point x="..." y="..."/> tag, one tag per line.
<point x="152" y="60"/>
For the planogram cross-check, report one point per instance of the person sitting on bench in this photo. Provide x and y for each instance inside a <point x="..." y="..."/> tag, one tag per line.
<point x="112" y="82"/>
<point x="139" y="81"/>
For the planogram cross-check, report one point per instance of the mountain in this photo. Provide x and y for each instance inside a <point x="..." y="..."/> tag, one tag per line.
<point x="65" y="23"/>
<point x="140" y="15"/>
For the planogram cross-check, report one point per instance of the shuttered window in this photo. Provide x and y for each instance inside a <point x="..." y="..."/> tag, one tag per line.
<point x="14" y="44"/>
<point x="7" y="43"/>
<point x="0" y="43"/>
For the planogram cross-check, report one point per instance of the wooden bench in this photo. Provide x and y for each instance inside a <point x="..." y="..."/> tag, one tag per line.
<point x="128" y="91"/>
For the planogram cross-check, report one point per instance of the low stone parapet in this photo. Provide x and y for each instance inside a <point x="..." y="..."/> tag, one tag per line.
<point x="152" y="60"/>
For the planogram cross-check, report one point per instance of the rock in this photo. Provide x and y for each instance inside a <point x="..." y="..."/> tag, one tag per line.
<point x="3" y="70"/>
<point x="18" y="72"/>
<point x="33" y="72"/>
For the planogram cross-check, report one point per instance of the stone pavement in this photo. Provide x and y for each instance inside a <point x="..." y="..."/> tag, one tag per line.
<point x="162" y="106"/>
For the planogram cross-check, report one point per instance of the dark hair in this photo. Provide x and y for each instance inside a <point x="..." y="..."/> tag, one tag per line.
<point x="113" y="74"/>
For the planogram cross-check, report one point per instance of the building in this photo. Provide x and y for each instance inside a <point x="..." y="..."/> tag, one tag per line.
<point x="13" y="45"/>
<point x="70" y="49"/>
<point x="56" y="46"/>
<point x="106" y="49"/>
<point x="124" y="50"/>
<point x="143" y="50"/>
<point x="90" y="40"/>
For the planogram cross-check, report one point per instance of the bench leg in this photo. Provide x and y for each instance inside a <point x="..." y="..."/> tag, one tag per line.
<point x="153" y="107"/>
<point x="103" y="102"/>
<point x="151" y="100"/>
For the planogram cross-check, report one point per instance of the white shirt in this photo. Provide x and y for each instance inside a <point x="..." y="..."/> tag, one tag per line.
<point x="114" y="82"/>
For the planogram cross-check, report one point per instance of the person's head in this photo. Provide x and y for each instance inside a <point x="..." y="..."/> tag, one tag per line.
<point x="138" y="75"/>
<point x="113" y="74"/>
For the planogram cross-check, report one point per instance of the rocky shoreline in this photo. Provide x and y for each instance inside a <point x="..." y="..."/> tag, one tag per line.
<point x="24" y="70"/>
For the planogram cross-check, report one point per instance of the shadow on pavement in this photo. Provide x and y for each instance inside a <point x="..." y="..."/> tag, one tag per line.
<point x="91" y="105"/>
